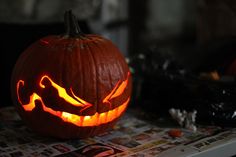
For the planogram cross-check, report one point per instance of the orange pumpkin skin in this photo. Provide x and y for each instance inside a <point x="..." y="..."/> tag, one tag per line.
<point x="91" y="71"/>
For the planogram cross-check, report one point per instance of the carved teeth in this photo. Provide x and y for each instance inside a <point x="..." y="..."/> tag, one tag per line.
<point x="97" y="118"/>
<point x="94" y="120"/>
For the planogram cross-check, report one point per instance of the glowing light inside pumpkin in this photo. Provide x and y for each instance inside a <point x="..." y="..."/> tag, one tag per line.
<point x="93" y="120"/>
<point x="63" y="94"/>
<point x="117" y="90"/>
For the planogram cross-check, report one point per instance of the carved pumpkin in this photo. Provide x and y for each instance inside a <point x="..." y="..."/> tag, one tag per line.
<point x="74" y="85"/>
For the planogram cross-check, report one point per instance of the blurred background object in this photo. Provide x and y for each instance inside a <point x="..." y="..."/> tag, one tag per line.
<point x="43" y="11"/>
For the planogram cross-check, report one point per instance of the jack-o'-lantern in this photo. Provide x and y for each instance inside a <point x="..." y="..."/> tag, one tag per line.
<point x="73" y="85"/>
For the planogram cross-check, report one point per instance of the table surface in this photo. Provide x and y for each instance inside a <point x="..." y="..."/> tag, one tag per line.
<point x="131" y="136"/>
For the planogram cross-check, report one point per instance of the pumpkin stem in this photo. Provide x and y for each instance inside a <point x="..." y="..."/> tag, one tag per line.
<point x="71" y="25"/>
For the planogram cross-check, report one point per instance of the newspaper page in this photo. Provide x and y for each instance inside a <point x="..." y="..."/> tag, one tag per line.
<point x="130" y="137"/>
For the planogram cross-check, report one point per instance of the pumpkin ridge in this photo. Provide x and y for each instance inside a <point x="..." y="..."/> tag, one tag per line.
<point x="114" y="63"/>
<point x="78" y="59"/>
<point x="82" y="87"/>
<point x="63" y="66"/>
<point x="99" y="46"/>
<point x="90" y="52"/>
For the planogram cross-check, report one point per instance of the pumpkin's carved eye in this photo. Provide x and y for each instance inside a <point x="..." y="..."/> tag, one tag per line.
<point x="117" y="90"/>
<point x="55" y="90"/>
<point x="63" y="93"/>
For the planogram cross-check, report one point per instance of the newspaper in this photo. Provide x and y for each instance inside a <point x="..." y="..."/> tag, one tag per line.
<point x="130" y="137"/>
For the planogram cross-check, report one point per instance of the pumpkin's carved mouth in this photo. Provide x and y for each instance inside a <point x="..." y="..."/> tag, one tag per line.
<point x="75" y="101"/>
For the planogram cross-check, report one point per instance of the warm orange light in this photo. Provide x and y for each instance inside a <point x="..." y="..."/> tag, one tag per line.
<point x="20" y="82"/>
<point x="215" y="75"/>
<point x="62" y="93"/>
<point x="117" y="90"/>
<point x="93" y="120"/>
